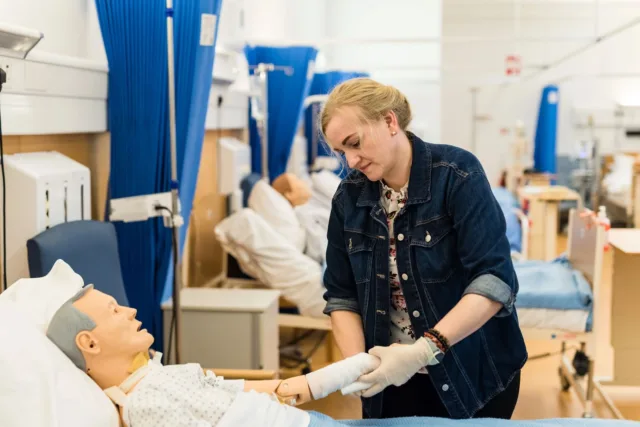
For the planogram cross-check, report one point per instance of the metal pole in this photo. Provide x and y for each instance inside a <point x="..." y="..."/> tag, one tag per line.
<point x="177" y="280"/>
<point x="314" y="132"/>
<point x="265" y="126"/>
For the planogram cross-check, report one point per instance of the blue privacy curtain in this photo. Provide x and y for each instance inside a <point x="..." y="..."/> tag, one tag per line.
<point x="135" y="39"/>
<point x="322" y="84"/>
<point x="286" y="94"/>
<point x="544" y="155"/>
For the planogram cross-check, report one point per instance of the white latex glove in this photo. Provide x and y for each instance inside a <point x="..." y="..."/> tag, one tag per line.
<point x="398" y="363"/>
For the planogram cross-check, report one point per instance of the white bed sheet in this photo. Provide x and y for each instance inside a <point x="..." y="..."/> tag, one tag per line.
<point x="544" y="318"/>
<point x="264" y="254"/>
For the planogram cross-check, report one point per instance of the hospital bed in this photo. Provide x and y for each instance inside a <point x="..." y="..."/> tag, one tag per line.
<point x="280" y="247"/>
<point x="619" y="187"/>
<point x="559" y="301"/>
<point x="569" y="304"/>
<point x="44" y="388"/>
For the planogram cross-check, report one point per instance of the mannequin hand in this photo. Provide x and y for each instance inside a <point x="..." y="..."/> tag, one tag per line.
<point x="294" y="391"/>
<point x="398" y="363"/>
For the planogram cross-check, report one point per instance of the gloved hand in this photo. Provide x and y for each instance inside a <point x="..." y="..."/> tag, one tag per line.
<point x="398" y="363"/>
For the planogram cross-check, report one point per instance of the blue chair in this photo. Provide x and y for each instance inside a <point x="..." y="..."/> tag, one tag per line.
<point x="89" y="247"/>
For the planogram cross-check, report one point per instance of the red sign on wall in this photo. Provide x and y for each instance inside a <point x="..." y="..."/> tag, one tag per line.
<point x="513" y="65"/>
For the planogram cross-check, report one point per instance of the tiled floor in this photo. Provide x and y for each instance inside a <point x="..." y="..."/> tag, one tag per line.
<point x="540" y="394"/>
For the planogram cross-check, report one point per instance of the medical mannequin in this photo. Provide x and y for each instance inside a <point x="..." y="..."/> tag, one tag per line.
<point x="104" y="340"/>
<point x="292" y="188"/>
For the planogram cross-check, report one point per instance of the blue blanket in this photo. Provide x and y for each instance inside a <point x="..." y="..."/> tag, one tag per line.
<point x="321" y="420"/>
<point x="552" y="285"/>
<point x="507" y="203"/>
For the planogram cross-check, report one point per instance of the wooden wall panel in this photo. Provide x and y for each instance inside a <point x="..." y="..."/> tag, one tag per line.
<point x="203" y="254"/>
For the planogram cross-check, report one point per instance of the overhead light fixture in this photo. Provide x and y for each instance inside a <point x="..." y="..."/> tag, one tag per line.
<point x="17" y="42"/>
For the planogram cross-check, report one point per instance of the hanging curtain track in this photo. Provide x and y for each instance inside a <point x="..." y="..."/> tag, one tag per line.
<point x="417" y="40"/>
<point x="586" y="47"/>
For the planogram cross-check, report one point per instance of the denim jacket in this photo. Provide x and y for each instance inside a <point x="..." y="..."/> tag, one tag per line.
<point x="450" y="241"/>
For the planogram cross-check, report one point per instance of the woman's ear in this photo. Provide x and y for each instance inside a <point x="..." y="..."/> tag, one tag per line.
<point x="87" y="343"/>
<point x="391" y="120"/>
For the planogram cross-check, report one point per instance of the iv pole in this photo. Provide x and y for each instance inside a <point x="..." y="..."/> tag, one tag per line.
<point x="261" y="116"/>
<point x="177" y="271"/>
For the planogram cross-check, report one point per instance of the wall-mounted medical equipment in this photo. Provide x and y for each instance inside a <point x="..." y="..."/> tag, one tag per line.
<point x="47" y="93"/>
<point x="618" y="126"/>
<point x="234" y="164"/>
<point x="42" y="190"/>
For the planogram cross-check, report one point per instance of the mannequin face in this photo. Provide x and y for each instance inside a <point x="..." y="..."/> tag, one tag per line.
<point x="117" y="335"/>
<point x="292" y="188"/>
<point x="369" y="147"/>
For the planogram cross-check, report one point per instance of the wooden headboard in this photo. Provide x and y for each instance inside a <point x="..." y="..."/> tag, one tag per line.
<point x="586" y="244"/>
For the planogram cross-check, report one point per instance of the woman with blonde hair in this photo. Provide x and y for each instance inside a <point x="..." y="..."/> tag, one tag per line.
<point x="419" y="270"/>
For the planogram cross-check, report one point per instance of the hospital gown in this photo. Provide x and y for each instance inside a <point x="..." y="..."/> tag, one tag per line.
<point x="183" y="395"/>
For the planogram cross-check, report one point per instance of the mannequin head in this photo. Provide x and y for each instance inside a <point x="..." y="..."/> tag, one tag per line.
<point x="100" y="336"/>
<point x="292" y="188"/>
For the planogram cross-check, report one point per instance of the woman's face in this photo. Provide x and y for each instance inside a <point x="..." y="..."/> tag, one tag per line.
<point x="368" y="147"/>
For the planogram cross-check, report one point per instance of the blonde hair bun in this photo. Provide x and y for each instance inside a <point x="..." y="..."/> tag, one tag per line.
<point x="373" y="98"/>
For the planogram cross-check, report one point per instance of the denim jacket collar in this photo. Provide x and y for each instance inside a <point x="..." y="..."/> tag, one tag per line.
<point x="419" y="177"/>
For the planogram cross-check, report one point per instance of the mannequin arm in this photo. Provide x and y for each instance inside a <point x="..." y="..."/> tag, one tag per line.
<point x="244" y="374"/>
<point x="264" y="386"/>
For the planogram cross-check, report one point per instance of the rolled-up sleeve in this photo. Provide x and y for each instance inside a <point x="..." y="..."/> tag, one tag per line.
<point x="341" y="294"/>
<point x="482" y="241"/>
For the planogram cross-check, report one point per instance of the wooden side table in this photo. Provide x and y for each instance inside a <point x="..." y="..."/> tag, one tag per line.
<point x="544" y="202"/>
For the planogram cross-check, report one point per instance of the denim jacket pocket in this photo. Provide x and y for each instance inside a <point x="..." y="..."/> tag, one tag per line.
<point x="360" y="250"/>
<point x="434" y="247"/>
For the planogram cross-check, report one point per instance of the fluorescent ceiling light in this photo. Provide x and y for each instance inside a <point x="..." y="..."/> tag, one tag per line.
<point x="17" y="42"/>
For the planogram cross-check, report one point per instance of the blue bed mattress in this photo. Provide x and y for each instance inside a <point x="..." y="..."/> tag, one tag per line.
<point x="321" y="420"/>
<point x="553" y="285"/>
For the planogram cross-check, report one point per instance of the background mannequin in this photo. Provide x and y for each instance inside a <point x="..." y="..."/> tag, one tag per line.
<point x="295" y="190"/>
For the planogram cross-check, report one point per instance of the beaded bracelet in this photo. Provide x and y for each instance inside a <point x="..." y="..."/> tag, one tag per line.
<point x="439" y="340"/>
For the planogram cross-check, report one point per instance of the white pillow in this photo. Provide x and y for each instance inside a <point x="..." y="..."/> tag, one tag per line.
<point x="314" y="217"/>
<point x="40" y="386"/>
<point x="274" y="208"/>
<point x="325" y="185"/>
<point x="39" y="298"/>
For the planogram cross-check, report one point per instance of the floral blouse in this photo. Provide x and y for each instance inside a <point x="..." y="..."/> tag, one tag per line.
<point x="401" y="329"/>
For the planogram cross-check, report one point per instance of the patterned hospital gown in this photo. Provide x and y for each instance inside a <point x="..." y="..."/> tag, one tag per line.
<point x="180" y="395"/>
<point x="184" y="396"/>
<point x="401" y="329"/>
